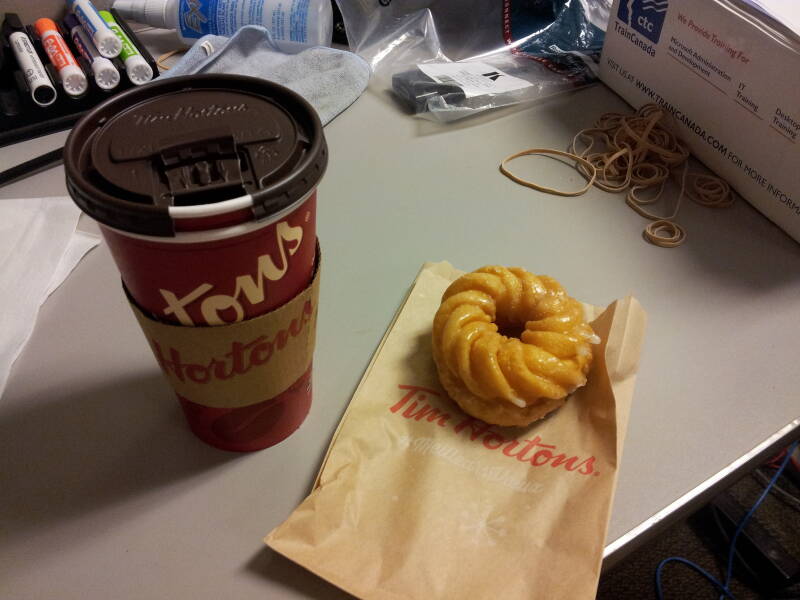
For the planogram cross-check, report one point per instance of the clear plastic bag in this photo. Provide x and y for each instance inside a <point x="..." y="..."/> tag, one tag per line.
<point x="449" y="59"/>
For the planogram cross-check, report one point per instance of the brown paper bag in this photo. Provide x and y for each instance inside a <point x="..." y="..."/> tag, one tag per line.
<point x="417" y="500"/>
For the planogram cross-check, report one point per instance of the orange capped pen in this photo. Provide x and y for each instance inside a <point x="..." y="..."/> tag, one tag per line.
<point x="69" y="72"/>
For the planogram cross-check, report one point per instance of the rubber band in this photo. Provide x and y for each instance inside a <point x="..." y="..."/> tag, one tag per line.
<point x="710" y="191"/>
<point x="664" y="233"/>
<point x="162" y="66"/>
<point x="637" y="154"/>
<point x="637" y="204"/>
<point x="504" y="170"/>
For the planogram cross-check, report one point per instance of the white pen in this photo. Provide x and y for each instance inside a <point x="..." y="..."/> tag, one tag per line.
<point x="105" y="73"/>
<point x="108" y="44"/>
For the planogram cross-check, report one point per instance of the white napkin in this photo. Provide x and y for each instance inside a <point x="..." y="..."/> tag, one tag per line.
<point x="39" y="247"/>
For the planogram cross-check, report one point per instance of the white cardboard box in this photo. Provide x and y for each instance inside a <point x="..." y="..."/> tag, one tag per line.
<point x="731" y="83"/>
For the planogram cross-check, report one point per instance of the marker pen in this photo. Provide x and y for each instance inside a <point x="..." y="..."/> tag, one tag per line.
<point x="107" y="43"/>
<point x="42" y="90"/>
<point x="136" y="66"/>
<point x="69" y="72"/>
<point x="106" y="75"/>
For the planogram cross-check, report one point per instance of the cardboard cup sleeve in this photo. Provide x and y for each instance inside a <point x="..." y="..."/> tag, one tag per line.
<point x="239" y="364"/>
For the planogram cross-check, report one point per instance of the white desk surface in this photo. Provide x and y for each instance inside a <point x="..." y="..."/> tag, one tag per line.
<point x="104" y="493"/>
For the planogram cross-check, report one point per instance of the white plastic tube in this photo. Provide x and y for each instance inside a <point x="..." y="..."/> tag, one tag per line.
<point x="293" y="24"/>
<point x="139" y="72"/>
<point x="106" y="75"/>
<point x="72" y="77"/>
<point x="107" y="43"/>
<point x="42" y="90"/>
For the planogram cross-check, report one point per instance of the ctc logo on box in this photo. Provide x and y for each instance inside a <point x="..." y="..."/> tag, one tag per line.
<point x="645" y="16"/>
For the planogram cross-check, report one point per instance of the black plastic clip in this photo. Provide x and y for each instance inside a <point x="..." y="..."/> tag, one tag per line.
<point x="200" y="171"/>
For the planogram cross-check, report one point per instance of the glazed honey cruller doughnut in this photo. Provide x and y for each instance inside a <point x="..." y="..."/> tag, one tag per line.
<point x="502" y="379"/>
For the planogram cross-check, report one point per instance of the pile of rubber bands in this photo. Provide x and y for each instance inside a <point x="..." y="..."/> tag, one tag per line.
<point x="636" y="154"/>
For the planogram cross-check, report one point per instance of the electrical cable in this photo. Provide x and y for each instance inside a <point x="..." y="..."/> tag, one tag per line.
<point x="692" y="565"/>
<point x="750" y="571"/>
<point x="782" y="493"/>
<point x="747" y="517"/>
<point x="724" y="587"/>
<point x="776" y="460"/>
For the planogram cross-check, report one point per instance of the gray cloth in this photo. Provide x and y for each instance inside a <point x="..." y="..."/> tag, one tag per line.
<point x="330" y="79"/>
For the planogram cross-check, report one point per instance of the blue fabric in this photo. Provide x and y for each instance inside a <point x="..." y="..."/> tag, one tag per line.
<point x="556" y="32"/>
<point x="330" y="79"/>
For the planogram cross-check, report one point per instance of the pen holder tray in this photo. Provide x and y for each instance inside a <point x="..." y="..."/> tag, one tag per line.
<point x="22" y="119"/>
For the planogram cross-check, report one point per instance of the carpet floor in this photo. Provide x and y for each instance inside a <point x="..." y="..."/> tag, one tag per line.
<point x="700" y="540"/>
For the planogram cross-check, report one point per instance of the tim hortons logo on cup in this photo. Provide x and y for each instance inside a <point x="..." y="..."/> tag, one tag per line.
<point x="240" y="357"/>
<point x="246" y="286"/>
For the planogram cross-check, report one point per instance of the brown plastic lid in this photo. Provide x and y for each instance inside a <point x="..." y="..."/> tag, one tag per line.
<point x="193" y="140"/>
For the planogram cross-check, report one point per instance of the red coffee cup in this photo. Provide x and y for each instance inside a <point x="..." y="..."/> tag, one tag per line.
<point x="205" y="191"/>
